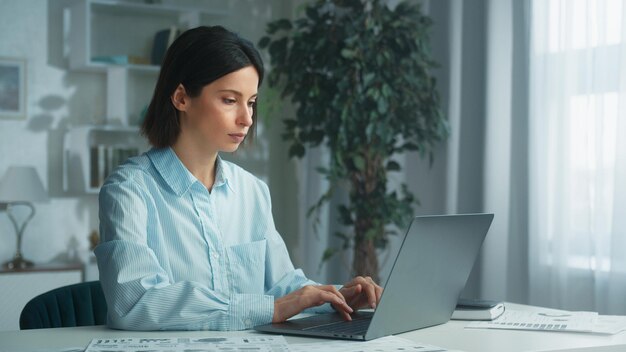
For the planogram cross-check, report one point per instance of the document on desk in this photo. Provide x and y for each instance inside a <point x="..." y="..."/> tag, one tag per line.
<point x="554" y="320"/>
<point x="268" y="343"/>
<point x="171" y="344"/>
<point x="383" y="344"/>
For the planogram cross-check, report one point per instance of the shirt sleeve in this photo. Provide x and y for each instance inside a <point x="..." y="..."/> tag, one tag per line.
<point x="139" y="292"/>
<point x="281" y="276"/>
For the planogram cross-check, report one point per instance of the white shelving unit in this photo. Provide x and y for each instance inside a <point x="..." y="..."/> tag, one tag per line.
<point x="107" y="28"/>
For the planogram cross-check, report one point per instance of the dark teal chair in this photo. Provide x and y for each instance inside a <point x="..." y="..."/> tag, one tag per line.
<point x="80" y="304"/>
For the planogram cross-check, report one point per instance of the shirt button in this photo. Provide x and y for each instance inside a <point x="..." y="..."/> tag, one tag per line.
<point x="216" y="256"/>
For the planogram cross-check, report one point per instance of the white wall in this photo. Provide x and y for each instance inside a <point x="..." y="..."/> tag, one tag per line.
<point x="55" y="98"/>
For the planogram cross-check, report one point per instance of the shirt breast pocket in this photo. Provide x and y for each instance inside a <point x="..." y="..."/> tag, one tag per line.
<point x="247" y="266"/>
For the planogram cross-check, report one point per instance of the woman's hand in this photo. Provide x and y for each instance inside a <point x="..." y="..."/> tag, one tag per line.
<point x="307" y="297"/>
<point x="361" y="292"/>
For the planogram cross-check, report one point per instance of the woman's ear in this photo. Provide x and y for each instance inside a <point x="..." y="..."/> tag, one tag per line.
<point x="180" y="99"/>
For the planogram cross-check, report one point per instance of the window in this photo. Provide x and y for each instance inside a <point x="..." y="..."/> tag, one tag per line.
<point x="577" y="110"/>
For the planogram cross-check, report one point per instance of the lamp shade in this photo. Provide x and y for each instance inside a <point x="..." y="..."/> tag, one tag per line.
<point x="21" y="184"/>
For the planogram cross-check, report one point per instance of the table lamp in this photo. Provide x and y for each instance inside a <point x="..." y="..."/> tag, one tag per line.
<point x="20" y="186"/>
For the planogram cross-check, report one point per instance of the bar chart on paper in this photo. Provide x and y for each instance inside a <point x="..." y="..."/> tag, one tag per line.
<point x="555" y="320"/>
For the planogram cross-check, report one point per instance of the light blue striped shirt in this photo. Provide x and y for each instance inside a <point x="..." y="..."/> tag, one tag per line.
<point x="175" y="256"/>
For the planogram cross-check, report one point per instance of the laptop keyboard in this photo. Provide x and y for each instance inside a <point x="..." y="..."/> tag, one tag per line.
<point x="354" y="327"/>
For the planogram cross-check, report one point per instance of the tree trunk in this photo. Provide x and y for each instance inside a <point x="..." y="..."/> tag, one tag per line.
<point x="368" y="186"/>
<point x="365" y="261"/>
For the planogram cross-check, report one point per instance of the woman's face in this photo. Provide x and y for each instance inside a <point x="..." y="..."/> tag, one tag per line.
<point x="219" y="118"/>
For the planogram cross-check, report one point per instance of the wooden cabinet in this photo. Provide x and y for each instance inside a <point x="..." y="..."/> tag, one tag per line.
<point x="17" y="287"/>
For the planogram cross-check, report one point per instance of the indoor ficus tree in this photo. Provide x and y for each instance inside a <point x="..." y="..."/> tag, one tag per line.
<point x="359" y="74"/>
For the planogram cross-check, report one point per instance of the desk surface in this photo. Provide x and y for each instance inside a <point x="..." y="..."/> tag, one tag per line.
<point x="451" y="335"/>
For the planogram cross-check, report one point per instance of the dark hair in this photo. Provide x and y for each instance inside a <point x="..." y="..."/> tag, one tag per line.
<point x="196" y="58"/>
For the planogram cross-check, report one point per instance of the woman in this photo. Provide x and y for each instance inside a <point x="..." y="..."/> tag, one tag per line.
<point x="189" y="241"/>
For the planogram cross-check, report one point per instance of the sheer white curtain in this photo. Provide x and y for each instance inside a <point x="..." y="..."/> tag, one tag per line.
<point x="577" y="155"/>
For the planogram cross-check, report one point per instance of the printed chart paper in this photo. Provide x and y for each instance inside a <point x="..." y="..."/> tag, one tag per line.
<point x="176" y="344"/>
<point x="555" y="320"/>
<point x="256" y="344"/>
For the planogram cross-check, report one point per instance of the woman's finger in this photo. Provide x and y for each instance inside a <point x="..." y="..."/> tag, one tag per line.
<point x="379" y="294"/>
<point x="370" y="291"/>
<point x="338" y="303"/>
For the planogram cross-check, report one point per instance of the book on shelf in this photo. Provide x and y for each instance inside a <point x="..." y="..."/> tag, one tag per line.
<point x="473" y="309"/>
<point x="121" y="60"/>
<point x="93" y="167"/>
<point x="104" y="159"/>
<point x="162" y="40"/>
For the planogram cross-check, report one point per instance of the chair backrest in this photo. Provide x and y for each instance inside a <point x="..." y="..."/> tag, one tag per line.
<point x="80" y="304"/>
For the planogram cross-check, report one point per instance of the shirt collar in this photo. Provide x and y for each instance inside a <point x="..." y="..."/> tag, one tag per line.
<point x="223" y="175"/>
<point x="177" y="176"/>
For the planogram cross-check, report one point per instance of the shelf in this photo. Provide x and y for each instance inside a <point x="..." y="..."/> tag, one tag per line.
<point x="94" y="66"/>
<point x="116" y="38"/>
<point x="110" y="128"/>
<point x="125" y="8"/>
<point x="112" y="28"/>
<point x="91" y="153"/>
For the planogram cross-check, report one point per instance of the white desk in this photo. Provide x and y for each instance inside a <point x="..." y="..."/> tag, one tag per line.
<point x="451" y="335"/>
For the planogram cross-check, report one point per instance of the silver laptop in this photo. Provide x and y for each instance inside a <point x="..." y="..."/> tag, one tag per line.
<point x="427" y="277"/>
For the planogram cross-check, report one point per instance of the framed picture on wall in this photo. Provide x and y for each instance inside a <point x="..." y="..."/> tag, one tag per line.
<point x="12" y="88"/>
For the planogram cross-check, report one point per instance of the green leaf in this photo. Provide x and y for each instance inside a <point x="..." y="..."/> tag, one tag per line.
<point x="387" y="91"/>
<point x="344" y="215"/>
<point x="264" y="42"/>
<point x="312" y="13"/>
<point x="380" y="243"/>
<point x="410" y="146"/>
<point x="317" y="137"/>
<point x="283" y="24"/>
<point x="296" y="150"/>
<point x="359" y="162"/>
<point x="382" y="106"/>
<point x="278" y="49"/>
<point x="322" y="170"/>
<point x="392" y="166"/>
<point x="368" y="78"/>
<point x="290" y="124"/>
<point x="371" y="234"/>
<point x="328" y="253"/>
<point x="348" y="54"/>
<point x="370" y="131"/>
